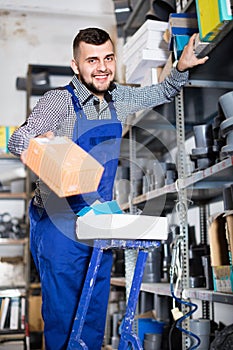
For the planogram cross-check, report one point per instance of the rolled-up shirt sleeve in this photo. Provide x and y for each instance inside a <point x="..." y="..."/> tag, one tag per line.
<point x="46" y="115"/>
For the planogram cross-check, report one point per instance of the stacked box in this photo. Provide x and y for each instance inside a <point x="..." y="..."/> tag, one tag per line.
<point x="5" y="133"/>
<point x="213" y="16"/>
<point x="221" y="250"/>
<point x="181" y="27"/>
<point x="181" y="24"/>
<point x="146" y="49"/>
<point x="65" y="167"/>
<point x="144" y="60"/>
<point x="223" y="278"/>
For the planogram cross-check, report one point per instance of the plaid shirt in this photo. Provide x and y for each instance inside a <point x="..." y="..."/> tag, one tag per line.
<point x="54" y="110"/>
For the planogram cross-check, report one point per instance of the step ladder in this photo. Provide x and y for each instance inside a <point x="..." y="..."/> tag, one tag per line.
<point x="127" y="337"/>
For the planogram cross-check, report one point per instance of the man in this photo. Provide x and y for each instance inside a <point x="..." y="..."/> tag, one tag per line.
<point x="90" y="111"/>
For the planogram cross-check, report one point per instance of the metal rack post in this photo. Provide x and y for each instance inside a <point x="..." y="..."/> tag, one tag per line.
<point x="182" y="204"/>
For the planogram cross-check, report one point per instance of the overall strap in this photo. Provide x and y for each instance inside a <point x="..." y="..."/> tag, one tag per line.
<point x="75" y="99"/>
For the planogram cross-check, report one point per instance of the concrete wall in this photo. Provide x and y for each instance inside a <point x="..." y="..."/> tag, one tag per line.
<point x="41" y="33"/>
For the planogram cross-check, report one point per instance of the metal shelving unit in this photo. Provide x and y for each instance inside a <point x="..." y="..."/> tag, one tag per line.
<point x="198" y="104"/>
<point x="14" y="264"/>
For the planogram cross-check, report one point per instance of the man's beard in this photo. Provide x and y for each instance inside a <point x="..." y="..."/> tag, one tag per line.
<point x="92" y="88"/>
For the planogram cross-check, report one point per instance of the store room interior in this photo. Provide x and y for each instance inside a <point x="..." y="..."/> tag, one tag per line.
<point x="116" y="181"/>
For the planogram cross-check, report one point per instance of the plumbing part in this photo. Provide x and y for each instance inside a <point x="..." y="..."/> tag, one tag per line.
<point x="227" y="132"/>
<point x="152" y="341"/>
<point x="152" y="271"/>
<point x="207" y="272"/>
<point x="201" y="327"/>
<point x="205" y="153"/>
<point x="226" y="103"/>
<point x="228" y="198"/>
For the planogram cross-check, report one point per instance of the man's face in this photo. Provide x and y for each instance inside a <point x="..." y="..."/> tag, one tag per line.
<point x="96" y="66"/>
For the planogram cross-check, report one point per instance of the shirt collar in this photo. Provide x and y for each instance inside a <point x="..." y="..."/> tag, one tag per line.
<point x="84" y="94"/>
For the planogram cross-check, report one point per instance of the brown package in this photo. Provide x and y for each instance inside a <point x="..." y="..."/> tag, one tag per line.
<point x="218" y="242"/>
<point x="65" y="167"/>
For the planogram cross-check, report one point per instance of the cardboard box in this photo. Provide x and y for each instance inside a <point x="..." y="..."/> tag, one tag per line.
<point x="221" y="250"/>
<point x="149" y="36"/>
<point x="181" y="24"/>
<point x="223" y="278"/>
<point x="36" y="323"/>
<point x="229" y="234"/>
<point x="166" y="69"/>
<point x="5" y="133"/>
<point x="65" y="167"/>
<point x="146" y="49"/>
<point x="144" y="60"/>
<point x="180" y="41"/>
<point x="218" y="241"/>
<point x="122" y="226"/>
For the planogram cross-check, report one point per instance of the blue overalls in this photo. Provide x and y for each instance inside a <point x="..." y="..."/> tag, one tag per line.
<point x="61" y="260"/>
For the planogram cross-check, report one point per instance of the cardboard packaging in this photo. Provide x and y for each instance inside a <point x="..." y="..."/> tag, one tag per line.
<point x="181" y="27"/>
<point x="65" y="167"/>
<point x="148" y="36"/>
<point x="36" y="323"/>
<point x="122" y="226"/>
<point x="107" y="221"/>
<point x="229" y="233"/>
<point x="218" y="242"/>
<point x="221" y="250"/>
<point x="223" y="278"/>
<point x="182" y="23"/>
<point x="144" y="50"/>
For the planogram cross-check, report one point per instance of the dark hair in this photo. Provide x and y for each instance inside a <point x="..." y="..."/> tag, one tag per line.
<point x="94" y="36"/>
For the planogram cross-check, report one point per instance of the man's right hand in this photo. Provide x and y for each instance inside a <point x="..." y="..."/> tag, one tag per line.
<point x="23" y="156"/>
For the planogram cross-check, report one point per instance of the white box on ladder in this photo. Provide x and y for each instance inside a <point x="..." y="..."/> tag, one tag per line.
<point x="122" y="226"/>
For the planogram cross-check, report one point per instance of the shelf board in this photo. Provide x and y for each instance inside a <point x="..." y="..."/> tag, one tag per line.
<point x="202" y="185"/>
<point x="9" y="241"/>
<point x="14" y="335"/>
<point x="208" y="184"/>
<point x="192" y="293"/>
<point x="156" y="288"/>
<point x="9" y="195"/>
<point x="51" y="69"/>
<point x="168" y="189"/>
<point x="12" y="292"/>
<point x="209" y="295"/>
<point x="8" y="156"/>
<point x="118" y="281"/>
